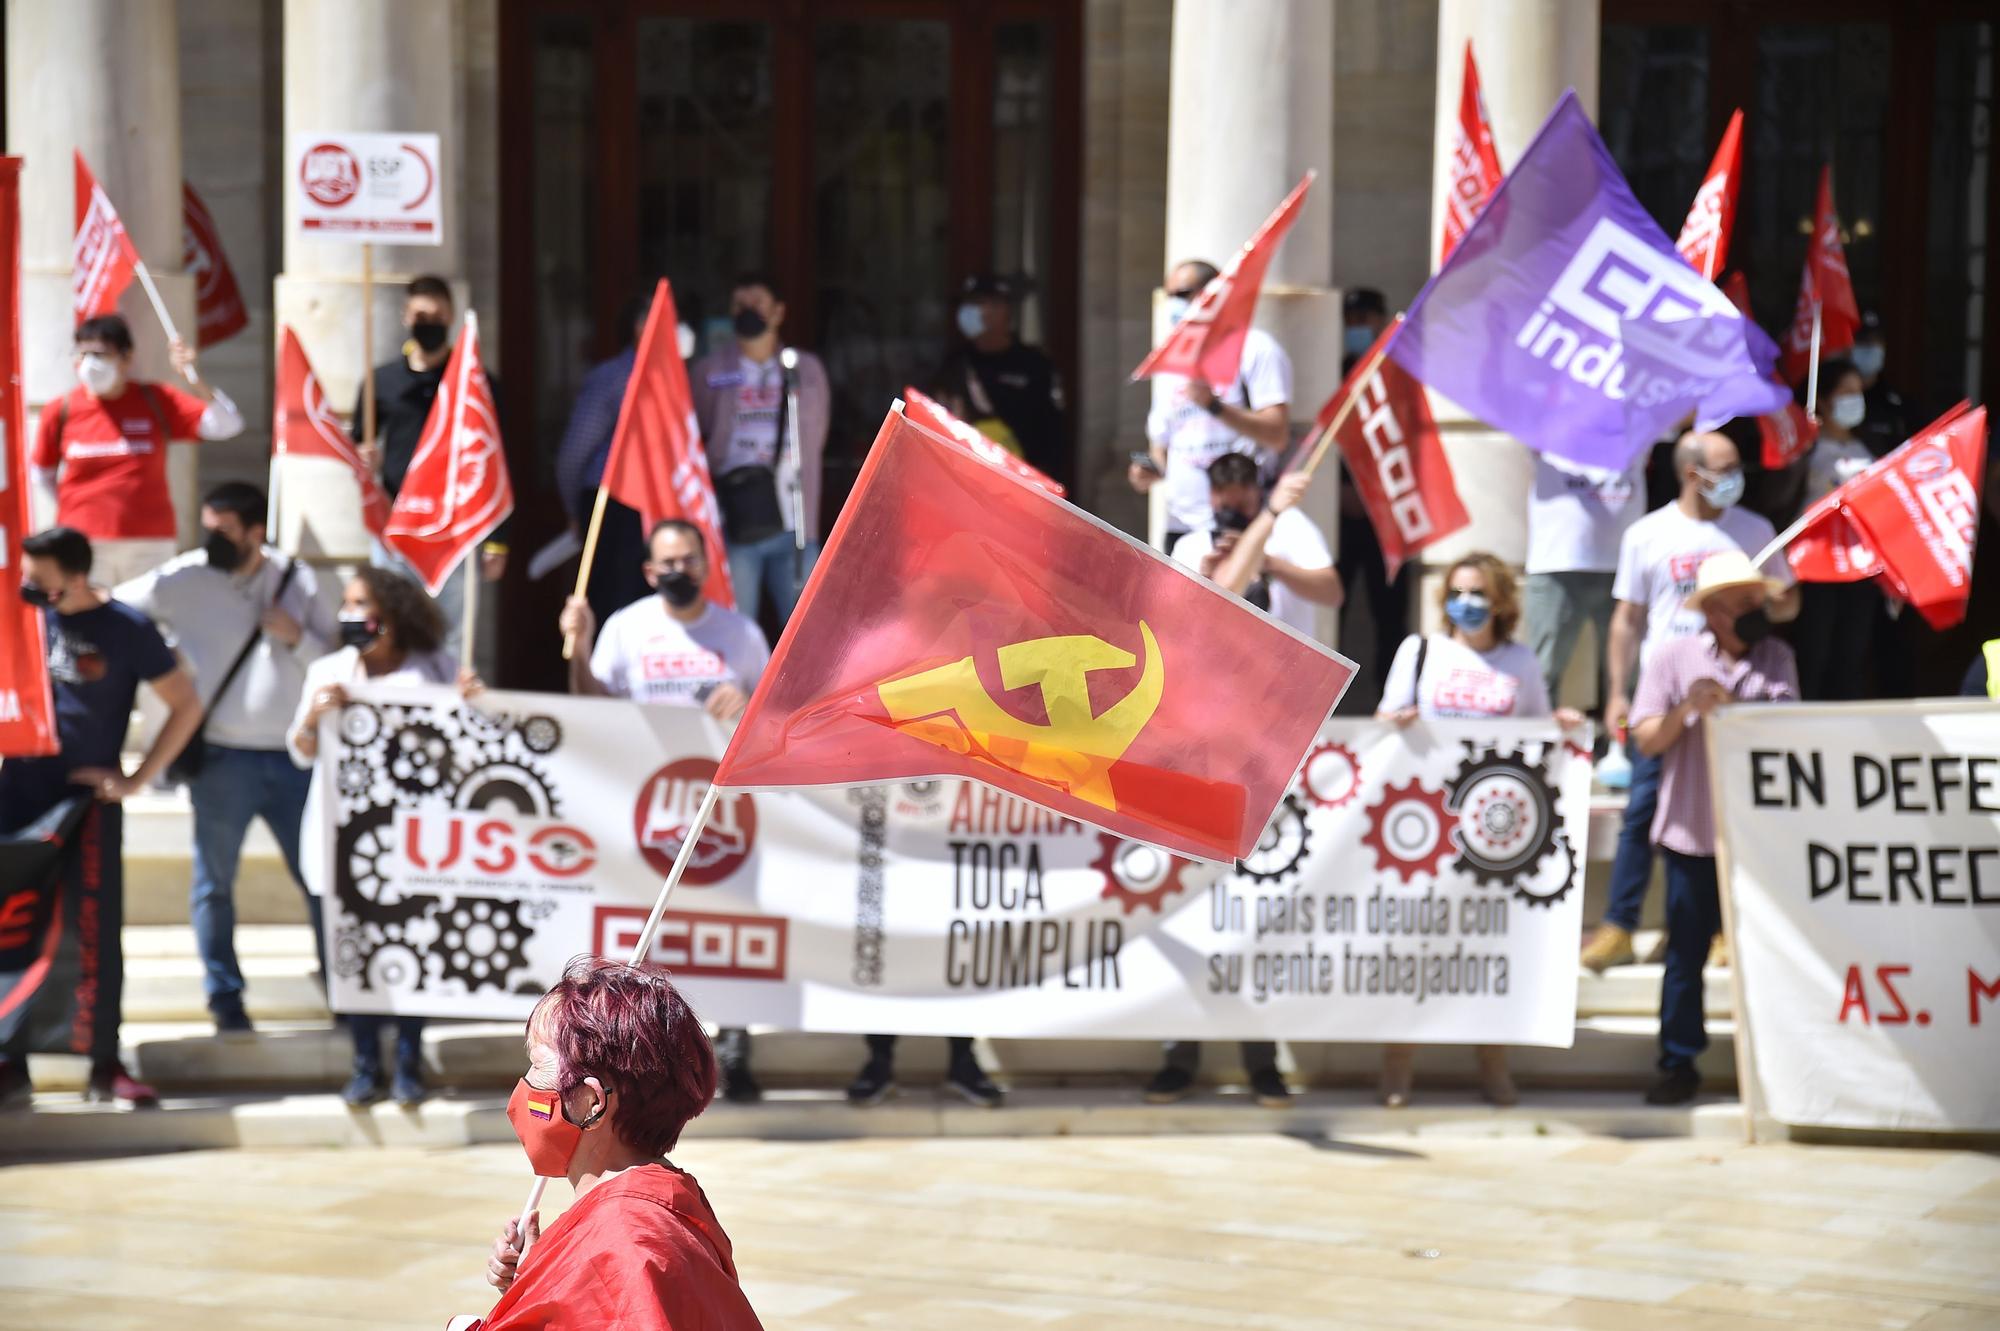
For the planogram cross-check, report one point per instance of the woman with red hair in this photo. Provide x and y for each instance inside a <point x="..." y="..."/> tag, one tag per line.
<point x="617" y="1065"/>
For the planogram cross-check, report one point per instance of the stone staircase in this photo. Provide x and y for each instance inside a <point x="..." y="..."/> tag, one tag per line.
<point x="279" y="1086"/>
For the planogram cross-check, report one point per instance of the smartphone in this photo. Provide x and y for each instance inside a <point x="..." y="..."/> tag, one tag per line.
<point x="1145" y="462"/>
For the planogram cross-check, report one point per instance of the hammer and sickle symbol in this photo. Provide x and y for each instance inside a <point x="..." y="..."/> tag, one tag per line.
<point x="949" y="707"/>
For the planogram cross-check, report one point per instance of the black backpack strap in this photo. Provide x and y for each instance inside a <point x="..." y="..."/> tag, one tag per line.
<point x="249" y="645"/>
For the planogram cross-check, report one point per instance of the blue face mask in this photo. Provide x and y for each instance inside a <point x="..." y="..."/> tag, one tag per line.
<point x="971" y="321"/>
<point x="1468" y="610"/>
<point x="1722" y="491"/>
<point x="1177" y="308"/>
<point x="1868" y="359"/>
<point x="1356" y="339"/>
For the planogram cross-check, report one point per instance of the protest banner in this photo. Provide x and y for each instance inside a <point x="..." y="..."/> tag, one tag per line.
<point x="1420" y="885"/>
<point x="27" y="708"/>
<point x="1861" y="866"/>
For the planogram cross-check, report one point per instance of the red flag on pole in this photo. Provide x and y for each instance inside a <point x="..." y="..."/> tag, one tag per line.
<point x="220" y="312"/>
<point x="1910" y="520"/>
<point x="657" y="465"/>
<point x="1704" y="239"/>
<point x="27" y="711"/>
<point x="932" y="416"/>
<point x="964" y="623"/>
<point x="1737" y="288"/>
<point x="1394" y="454"/>
<point x="303" y="425"/>
<point x="102" y="259"/>
<point x="1475" y="163"/>
<point x="1824" y="285"/>
<point x="456" y="490"/>
<point x="1207" y="344"/>
<point x="1786" y="435"/>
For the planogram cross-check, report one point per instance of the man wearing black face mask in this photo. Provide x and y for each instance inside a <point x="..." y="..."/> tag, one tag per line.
<point x="249" y="621"/>
<point x="740" y="402"/>
<point x="675" y="649"/>
<point x="99" y="652"/>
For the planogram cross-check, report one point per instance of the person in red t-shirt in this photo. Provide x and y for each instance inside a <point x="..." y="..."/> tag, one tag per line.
<point x="101" y="449"/>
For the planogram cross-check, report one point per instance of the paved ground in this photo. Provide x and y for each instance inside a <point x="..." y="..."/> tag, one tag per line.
<point x="1267" y="1232"/>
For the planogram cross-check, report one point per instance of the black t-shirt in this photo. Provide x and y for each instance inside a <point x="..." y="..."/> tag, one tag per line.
<point x="1019" y="386"/>
<point x="1887" y="426"/>
<point x="403" y="398"/>
<point x="97" y="660"/>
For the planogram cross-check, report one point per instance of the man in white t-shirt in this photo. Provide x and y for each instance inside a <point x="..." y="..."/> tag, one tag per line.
<point x="1287" y="567"/>
<point x="1191" y="423"/>
<point x="1577" y="516"/>
<point x="675" y="649"/>
<point x="1657" y="565"/>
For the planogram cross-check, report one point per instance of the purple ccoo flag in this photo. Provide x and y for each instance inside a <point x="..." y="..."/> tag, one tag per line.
<point x="1523" y="327"/>
<point x="1703" y="365"/>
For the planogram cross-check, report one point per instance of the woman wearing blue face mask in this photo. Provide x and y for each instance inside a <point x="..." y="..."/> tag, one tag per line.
<point x="1474" y="670"/>
<point x="1836" y="619"/>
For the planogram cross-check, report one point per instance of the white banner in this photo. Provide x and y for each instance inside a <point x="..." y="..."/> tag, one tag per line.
<point x="1419" y="885"/>
<point x="384" y="188"/>
<point x="1863" y="849"/>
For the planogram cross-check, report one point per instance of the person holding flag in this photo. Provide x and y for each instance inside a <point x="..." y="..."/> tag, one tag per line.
<point x="1836" y="620"/>
<point x="100" y="455"/>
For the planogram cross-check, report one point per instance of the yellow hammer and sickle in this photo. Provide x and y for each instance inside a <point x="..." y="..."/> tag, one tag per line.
<point x="949" y="707"/>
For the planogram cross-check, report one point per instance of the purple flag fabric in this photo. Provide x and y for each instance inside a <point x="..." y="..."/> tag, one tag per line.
<point x="1523" y="325"/>
<point x="1704" y="365"/>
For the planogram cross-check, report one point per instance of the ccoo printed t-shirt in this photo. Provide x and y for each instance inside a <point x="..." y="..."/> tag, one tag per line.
<point x="645" y="654"/>
<point x="1505" y="680"/>
<point x="1661" y="555"/>
<point x="113" y="483"/>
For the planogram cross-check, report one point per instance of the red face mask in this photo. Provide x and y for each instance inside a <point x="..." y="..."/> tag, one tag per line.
<point x="542" y="1124"/>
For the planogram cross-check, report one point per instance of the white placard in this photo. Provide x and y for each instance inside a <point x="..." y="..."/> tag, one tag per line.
<point x="384" y="188"/>
<point x="1863" y="849"/>
<point x="1414" y="885"/>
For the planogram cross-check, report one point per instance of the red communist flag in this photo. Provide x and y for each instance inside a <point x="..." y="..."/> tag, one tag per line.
<point x="27" y="711"/>
<point x="101" y="259"/>
<point x="1704" y="239"/>
<point x="1825" y="286"/>
<point x="657" y="465"/>
<point x="456" y="490"/>
<point x="965" y="623"/>
<point x="1910" y="520"/>
<point x="1475" y="162"/>
<point x="304" y="426"/>
<point x="218" y="301"/>
<point x="1395" y="456"/>
<point x="1207" y="344"/>
<point x="929" y="414"/>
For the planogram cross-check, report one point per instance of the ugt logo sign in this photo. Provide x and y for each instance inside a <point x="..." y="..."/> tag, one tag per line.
<point x="1613" y="276"/>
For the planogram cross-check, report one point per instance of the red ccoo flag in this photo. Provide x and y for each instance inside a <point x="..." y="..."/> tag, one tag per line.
<point x="1207" y="343"/>
<point x="1395" y="456"/>
<point x="1475" y="162"/>
<point x="218" y="301"/>
<point x="102" y="260"/>
<point x="27" y="710"/>
<point x="1825" y="286"/>
<point x="929" y="414"/>
<point x="304" y="426"/>
<point x="657" y="465"/>
<point x="966" y="623"/>
<point x="1910" y="520"/>
<point x="456" y="490"/>
<point x="1704" y="239"/>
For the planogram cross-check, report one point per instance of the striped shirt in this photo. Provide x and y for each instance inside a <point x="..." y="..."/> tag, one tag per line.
<point x="1685" y="821"/>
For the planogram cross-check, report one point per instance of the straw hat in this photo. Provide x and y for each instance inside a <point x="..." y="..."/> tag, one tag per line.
<point x="1730" y="568"/>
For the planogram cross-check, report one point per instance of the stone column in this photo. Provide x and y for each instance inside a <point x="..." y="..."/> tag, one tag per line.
<point x="360" y="66"/>
<point x="102" y="77"/>
<point x="1250" y="111"/>
<point x="1528" y="51"/>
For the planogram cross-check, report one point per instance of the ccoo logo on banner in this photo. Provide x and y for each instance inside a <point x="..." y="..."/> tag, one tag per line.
<point x="1412" y="885"/>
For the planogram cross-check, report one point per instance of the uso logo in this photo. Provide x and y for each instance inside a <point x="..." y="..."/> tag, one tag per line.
<point x="665" y="812"/>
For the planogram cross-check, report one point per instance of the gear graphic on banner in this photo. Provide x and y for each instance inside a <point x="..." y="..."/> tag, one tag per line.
<point x="420" y="760"/>
<point x="1509" y="824"/>
<point x="1409" y="830"/>
<point x="1136" y="874"/>
<point x="1331" y="776"/>
<point x="1282" y="846"/>
<point x="483" y="942"/>
<point x="363" y="852"/>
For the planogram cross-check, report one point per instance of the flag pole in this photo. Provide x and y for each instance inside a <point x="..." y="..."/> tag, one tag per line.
<point x="639" y="951"/>
<point x="1332" y="429"/>
<point x="589" y="557"/>
<point x="160" y="309"/>
<point x="271" y="523"/>
<point x="368" y="355"/>
<point x="469" y="625"/>
<point x="1812" y="370"/>
<point x="1784" y="538"/>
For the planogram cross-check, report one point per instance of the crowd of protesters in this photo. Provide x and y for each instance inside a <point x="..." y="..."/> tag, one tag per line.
<point x="245" y="648"/>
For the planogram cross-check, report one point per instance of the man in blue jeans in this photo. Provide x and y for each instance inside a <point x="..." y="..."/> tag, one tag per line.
<point x="236" y="597"/>
<point x="1658" y="559"/>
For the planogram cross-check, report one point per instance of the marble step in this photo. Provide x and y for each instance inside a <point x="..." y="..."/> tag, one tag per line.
<point x="61" y="1126"/>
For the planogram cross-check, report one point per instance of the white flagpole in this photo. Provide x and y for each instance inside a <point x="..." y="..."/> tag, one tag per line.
<point x="159" y="306"/>
<point x="1812" y="370"/>
<point x="639" y="951"/>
